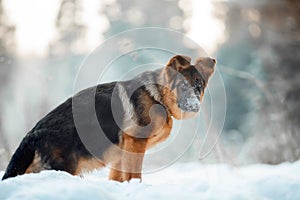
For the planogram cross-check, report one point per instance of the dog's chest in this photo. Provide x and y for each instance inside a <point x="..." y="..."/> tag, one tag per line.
<point x="160" y="135"/>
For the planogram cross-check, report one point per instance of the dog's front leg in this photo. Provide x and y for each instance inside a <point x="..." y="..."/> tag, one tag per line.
<point x="115" y="172"/>
<point x="133" y="155"/>
<point x="115" y="158"/>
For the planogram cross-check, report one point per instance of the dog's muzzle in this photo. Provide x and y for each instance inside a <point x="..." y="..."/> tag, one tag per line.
<point x="189" y="102"/>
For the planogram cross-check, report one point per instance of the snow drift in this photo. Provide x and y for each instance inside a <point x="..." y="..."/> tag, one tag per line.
<point x="180" y="181"/>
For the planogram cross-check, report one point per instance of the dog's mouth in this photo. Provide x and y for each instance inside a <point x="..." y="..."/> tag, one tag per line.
<point x="189" y="103"/>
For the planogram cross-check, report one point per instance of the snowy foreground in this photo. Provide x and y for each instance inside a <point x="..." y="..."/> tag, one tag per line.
<point x="180" y="181"/>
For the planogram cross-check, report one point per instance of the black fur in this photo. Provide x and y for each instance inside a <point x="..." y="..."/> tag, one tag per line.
<point x="24" y="153"/>
<point x="57" y="131"/>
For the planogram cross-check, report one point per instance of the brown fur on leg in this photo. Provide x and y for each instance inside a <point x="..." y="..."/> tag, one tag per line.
<point x="133" y="156"/>
<point x="115" y="173"/>
<point x="85" y="165"/>
<point x="114" y="156"/>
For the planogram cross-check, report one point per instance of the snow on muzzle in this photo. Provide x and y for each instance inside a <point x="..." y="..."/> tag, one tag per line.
<point x="189" y="98"/>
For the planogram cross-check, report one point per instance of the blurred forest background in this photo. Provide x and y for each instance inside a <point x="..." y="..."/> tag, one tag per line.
<point x="256" y="43"/>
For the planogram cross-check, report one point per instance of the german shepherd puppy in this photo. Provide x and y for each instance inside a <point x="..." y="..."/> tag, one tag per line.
<point x="131" y="122"/>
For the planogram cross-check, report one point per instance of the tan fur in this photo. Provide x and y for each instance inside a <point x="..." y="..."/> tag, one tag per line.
<point x="129" y="164"/>
<point x="36" y="165"/>
<point x="202" y="63"/>
<point x="160" y="135"/>
<point x="88" y="165"/>
<point x="115" y="172"/>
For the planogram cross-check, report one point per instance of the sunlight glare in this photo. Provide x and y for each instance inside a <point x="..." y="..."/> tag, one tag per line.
<point x="35" y="26"/>
<point x="204" y="28"/>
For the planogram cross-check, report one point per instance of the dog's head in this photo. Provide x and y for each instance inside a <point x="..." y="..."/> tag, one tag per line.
<point x="186" y="84"/>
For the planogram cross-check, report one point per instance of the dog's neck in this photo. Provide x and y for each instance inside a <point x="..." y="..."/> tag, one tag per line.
<point x="150" y="80"/>
<point x="155" y="84"/>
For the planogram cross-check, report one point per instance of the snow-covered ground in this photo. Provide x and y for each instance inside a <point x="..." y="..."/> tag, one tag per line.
<point x="180" y="181"/>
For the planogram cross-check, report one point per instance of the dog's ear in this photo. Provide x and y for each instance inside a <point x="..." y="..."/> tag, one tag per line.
<point x="179" y="62"/>
<point x="206" y="66"/>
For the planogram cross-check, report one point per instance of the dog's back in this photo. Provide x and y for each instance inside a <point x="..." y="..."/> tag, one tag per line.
<point x="54" y="142"/>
